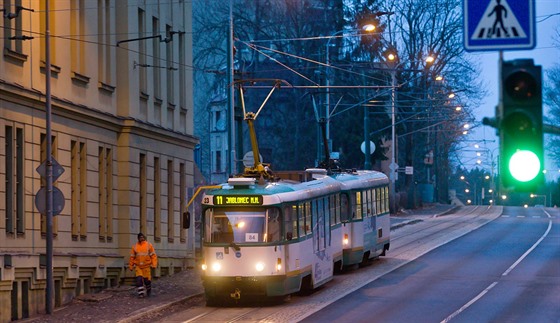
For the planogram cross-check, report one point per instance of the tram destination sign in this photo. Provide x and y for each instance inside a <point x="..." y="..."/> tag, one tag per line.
<point x="238" y="200"/>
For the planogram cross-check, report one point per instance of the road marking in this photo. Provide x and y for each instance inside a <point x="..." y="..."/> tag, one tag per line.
<point x="479" y="296"/>
<point x="530" y="249"/>
<point x="464" y="307"/>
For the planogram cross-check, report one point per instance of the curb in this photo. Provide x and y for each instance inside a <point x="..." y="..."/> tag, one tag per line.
<point x="449" y="211"/>
<point x="156" y="308"/>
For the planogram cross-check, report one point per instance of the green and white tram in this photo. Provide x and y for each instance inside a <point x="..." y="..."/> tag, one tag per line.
<point x="272" y="239"/>
<point x="365" y="215"/>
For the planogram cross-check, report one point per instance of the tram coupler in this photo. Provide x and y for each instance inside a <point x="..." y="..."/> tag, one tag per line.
<point x="236" y="294"/>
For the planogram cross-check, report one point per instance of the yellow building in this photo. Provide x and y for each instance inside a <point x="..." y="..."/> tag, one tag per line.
<point x="121" y="85"/>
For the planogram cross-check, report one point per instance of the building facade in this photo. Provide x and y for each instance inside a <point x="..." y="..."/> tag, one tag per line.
<point x="122" y="131"/>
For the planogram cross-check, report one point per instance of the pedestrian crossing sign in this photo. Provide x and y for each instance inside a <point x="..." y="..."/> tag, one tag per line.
<point x="499" y="24"/>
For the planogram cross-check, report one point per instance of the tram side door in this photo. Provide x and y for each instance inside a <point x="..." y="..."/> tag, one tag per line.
<point x="316" y="220"/>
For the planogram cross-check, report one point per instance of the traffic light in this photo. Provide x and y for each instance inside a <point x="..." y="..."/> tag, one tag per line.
<point x="520" y="126"/>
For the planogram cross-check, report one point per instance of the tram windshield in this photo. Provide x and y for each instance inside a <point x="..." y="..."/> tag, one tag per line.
<point x="243" y="226"/>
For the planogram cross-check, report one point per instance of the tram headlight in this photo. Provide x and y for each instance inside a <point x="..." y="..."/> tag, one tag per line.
<point x="259" y="266"/>
<point x="279" y="264"/>
<point x="216" y="267"/>
<point x="345" y="240"/>
<point x="204" y="266"/>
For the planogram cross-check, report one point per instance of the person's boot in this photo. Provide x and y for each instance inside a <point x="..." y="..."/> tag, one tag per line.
<point x="148" y="287"/>
<point x="141" y="291"/>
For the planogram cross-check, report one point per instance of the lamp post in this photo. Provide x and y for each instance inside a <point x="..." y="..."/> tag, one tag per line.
<point x="393" y="167"/>
<point x="367" y="28"/>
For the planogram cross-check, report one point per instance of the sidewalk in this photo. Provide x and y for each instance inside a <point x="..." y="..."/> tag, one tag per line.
<point x="122" y="305"/>
<point x="407" y="217"/>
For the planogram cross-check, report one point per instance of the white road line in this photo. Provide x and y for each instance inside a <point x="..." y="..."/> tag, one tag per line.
<point x="464" y="307"/>
<point x="479" y="296"/>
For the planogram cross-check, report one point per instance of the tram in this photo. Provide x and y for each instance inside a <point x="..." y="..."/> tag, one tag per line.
<point x="273" y="239"/>
<point x="264" y="236"/>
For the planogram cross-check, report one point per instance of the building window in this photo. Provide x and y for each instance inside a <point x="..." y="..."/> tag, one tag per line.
<point x="169" y="67"/>
<point x="78" y="30"/>
<point x="14" y="180"/>
<point x="218" y="122"/>
<point x="218" y="161"/>
<point x="156" y="58"/>
<point x="170" y="201"/>
<point x="105" y="194"/>
<point x="142" y="52"/>
<point x="182" y="74"/>
<point x="53" y="40"/>
<point x="182" y="200"/>
<point x="157" y="200"/>
<point x="79" y="190"/>
<point x="143" y="194"/>
<point x="13" y="28"/>
<point x="104" y="32"/>
<point x="54" y="146"/>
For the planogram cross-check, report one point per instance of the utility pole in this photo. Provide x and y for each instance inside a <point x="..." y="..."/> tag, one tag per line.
<point x="49" y="164"/>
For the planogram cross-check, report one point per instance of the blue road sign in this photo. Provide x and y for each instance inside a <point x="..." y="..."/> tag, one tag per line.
<point x="499" y="24"/>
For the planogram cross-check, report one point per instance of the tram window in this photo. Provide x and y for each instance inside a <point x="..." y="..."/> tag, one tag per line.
<point x="290" y="225"/>
<point x="332" y="207"/>
<point x="273" y="225"/>
<point x="235" y="226"/>
<point x="373" y="202"/>
<point x="208" y="225"/>
<point x="301" y="220"/>
<point x="366" y="201"/>
<point x="344" y="208"/>
<point x="337" y="208"/>
<point x="378" y="200"/>
<point x="307" y="218"/>
<point x="326" y="209"/>
<point x="358" y="205"/>
<point x="385" y="199"/>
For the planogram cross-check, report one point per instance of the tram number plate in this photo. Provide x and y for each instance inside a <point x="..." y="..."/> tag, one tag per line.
<point x="238" y="200"/>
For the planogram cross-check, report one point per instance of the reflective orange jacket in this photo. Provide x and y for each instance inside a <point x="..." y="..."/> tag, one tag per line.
<point x="142" y="255"/>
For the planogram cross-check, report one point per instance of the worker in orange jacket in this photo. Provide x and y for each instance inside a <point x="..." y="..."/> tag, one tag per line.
<point x="142" y="259"/>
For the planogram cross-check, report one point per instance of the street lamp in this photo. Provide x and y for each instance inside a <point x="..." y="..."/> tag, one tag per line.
<point x="367" y="28"/>
<point x="393" y="166"/>
<point x="467" y="190"/>
<point x="492" y="165"/>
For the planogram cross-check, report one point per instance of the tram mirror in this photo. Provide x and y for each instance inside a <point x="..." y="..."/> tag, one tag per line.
<point x="186" y="220"/>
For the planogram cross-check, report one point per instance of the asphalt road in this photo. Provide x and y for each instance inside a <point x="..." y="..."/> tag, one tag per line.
<point x="505" y="271"/>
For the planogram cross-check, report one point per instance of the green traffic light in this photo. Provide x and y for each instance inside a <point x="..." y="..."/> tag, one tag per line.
<point x="524" y="165"/>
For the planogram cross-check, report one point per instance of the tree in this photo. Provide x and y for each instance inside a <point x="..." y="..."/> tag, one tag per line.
<point x="287" y="40"/>
<point x="431" y="28"/>
<point x="552" y="100"/>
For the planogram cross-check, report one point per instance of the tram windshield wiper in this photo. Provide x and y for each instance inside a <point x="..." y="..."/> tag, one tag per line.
<point x="234" y="246"/>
